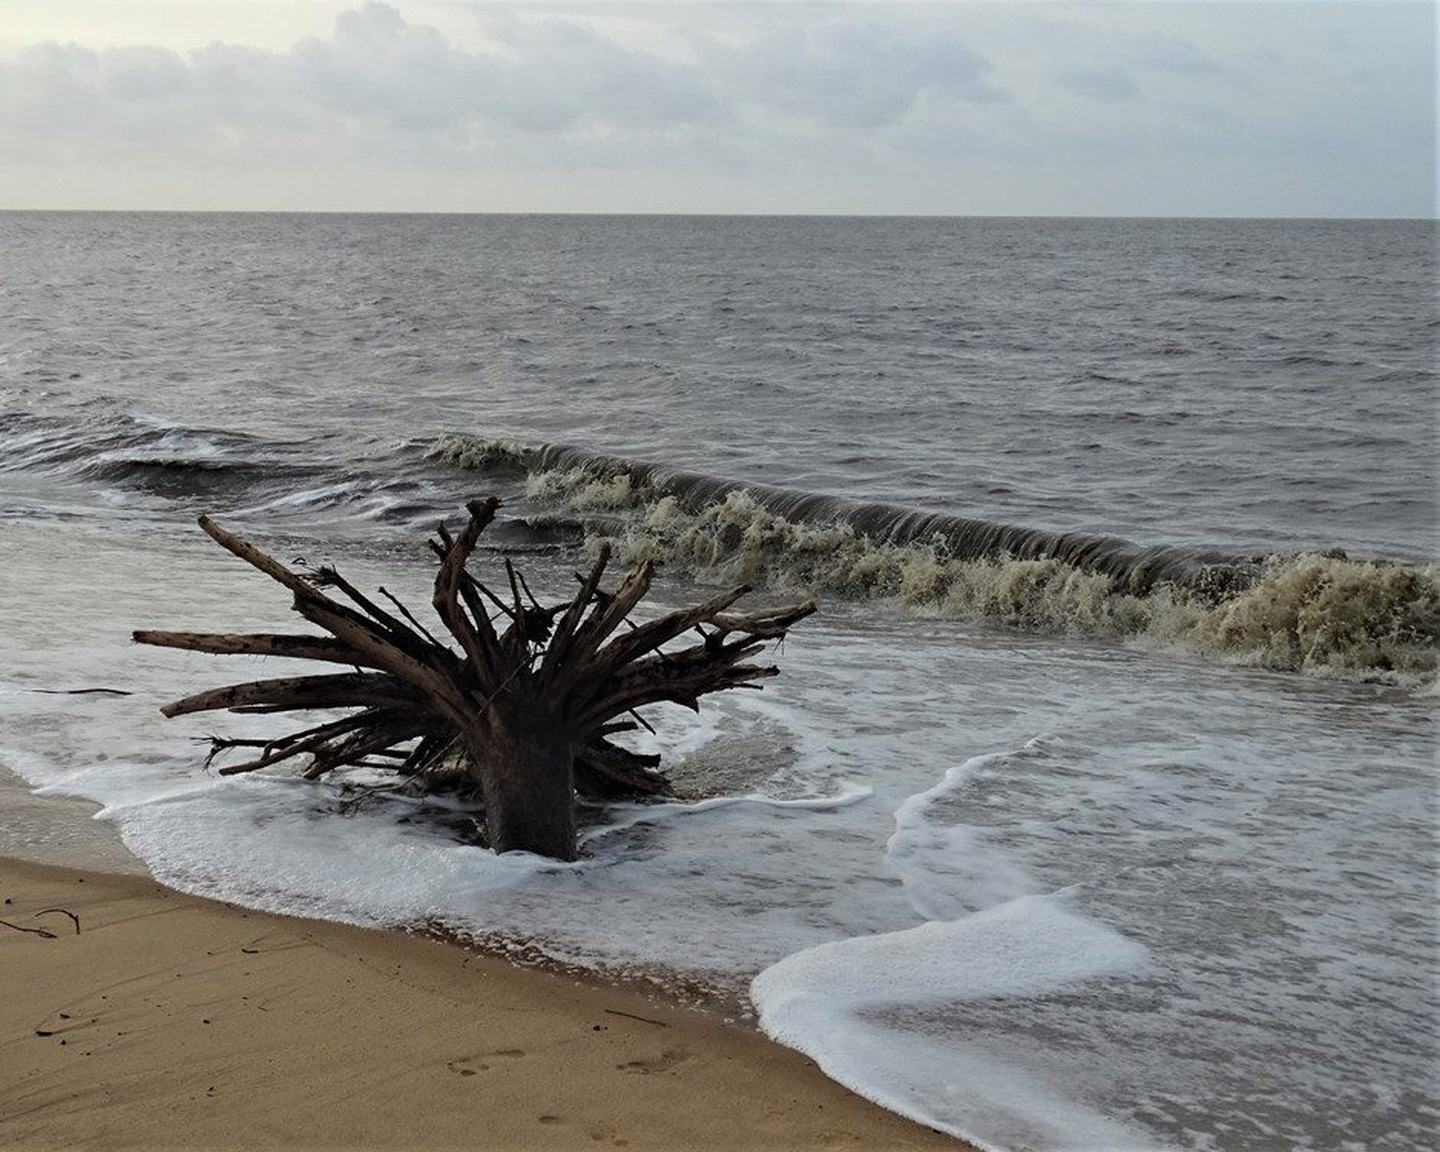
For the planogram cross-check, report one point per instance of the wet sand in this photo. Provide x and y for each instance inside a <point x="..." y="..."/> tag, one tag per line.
<point x="171" y="1021"/>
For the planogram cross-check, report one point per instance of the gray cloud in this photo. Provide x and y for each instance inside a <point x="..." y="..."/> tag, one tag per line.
<point x="1119" y="75"/>
<point x="377" y="83"/>
<point x="848" y="74"/>
<point x="1227" y="108"/>
<point x="379" y="76"/>
<point x="1170" y="54"/>
<point x="1114" y="86"/>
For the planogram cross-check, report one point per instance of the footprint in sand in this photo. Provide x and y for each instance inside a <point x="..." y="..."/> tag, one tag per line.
<point x="460" y="1068"/>
<point x="667" y="1061"/>
<point x="471" y="1065"/>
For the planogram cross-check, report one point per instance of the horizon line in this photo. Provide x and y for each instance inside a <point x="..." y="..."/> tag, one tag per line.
<point x="810" y="215"/>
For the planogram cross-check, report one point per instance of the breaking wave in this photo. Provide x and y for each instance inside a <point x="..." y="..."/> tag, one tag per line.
<point x="127" y="453"/>
<point x="128" y="449"/>
<point x="1323" y="614"/>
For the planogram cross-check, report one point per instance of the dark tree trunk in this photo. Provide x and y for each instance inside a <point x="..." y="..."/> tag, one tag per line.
<point x="533" y="705"/>
<point x="524" y="765"/>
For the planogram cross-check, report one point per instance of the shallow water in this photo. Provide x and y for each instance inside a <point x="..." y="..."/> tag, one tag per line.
<point x="1017" y="855"/>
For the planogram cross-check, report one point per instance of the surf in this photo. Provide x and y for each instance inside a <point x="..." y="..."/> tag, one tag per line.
<point x="1321" y="613"/>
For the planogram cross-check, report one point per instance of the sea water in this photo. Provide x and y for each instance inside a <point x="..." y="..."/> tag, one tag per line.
<point x="1096" y="807"/>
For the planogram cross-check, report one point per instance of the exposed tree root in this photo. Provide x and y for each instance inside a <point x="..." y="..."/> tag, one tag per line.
<point x="521" y="704"/>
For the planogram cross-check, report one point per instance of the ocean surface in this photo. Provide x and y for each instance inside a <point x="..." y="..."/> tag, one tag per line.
<point x="1096" y="808"/>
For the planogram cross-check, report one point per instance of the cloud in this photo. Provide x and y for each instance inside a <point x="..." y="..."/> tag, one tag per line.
<point x="1171" y="54"/>
<point x="377" y="85"/>
<point x="1251" y="109"/>
<point x="380" y="82"/>
<point x="1117" y="77"/>
<point x="1113" y="87"/>
<point x="848" y="74"/>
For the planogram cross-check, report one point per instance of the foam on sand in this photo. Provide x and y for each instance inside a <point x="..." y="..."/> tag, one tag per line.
<point x="871" y="1010"/>
<point x="849" y="1005"/>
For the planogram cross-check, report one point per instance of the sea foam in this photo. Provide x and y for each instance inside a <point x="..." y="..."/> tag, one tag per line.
<point x="851" y="1006"/>
<point x="872" y="1010"/>
<point x="1319" y="613"/>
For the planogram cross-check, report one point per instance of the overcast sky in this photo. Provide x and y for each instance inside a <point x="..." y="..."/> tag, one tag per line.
<point x="1185" y="108"/>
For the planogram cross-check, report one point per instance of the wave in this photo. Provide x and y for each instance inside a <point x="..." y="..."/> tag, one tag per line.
<point x="119" y="446"/>
<point x="163" y="471"/>
<point x="1323" y="614"/>
<point x="1212" y="295"/>
<point x="120" y="451"/>
<point x="592" y="481"/>
<point x="369" y="484"/>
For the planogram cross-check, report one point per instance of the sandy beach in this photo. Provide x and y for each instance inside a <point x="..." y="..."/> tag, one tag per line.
<point x="693" y="576"/>
<point x="170" y="1021"/>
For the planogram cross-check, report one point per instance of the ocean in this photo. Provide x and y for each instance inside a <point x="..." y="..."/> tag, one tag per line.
<point x="1097" y="806"/>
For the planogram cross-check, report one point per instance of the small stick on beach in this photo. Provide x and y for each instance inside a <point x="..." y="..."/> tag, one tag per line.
<point x="34" y="931"/>
<point x="64" y="912"/>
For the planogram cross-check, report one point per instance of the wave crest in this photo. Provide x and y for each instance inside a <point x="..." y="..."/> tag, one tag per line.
<point x="1323" y="614"/>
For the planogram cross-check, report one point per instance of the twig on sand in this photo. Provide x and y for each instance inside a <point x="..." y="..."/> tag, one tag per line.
<point x="64" y="912"/>
<point x="632" y="1016"/>
<point x="34" y="931"/>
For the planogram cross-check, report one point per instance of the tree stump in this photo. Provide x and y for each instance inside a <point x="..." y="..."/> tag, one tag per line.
<point x="532" y="708"/>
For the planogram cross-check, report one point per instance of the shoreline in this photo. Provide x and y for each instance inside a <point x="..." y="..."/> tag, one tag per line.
<point x="175" y="1021"/>
<point x="59" y="829"/>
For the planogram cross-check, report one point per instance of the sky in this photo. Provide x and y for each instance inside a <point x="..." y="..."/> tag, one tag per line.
<point x="1179" y="108"/>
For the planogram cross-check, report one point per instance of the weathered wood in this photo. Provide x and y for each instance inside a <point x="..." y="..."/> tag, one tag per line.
<point x="296" y="693"/>
<point x="410" y="641"/>
<point x="531" y="711"/>
<point x="256" y="644"/>
<point x="409" y="617"/>
<point x="649" y="636"/>
<point x="356" y="747"/>
<point x="524" y="759"/>
<point x="476" y="636"/>
<point x="606" y="770"/>
<point x="309" y="740"/>
<point x="559" y="649"/>
<point x="608" y="614"/>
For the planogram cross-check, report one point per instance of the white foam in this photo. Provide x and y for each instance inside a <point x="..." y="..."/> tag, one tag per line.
<point x="836" y="1003"/>
<point x="1272" y="850"/>
<point x="633" y="815"/>
<point x="276" y="842"/>
<point x="943" y="865"/>
<point x="207" y="840"/>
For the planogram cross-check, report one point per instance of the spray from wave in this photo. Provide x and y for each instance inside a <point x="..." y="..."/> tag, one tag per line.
<point x="1322" y="614"/>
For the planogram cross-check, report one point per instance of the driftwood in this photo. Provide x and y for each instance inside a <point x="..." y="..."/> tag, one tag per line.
<point x="527" y="711"/>
<point x="74" y="919"/>
<point x="45" y="932"/>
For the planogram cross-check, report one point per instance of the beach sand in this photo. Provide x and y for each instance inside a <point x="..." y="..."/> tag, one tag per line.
<point x="171" y="1021"/>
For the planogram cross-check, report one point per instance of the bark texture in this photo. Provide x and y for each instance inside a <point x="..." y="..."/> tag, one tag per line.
<point x="525" y="695"/>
